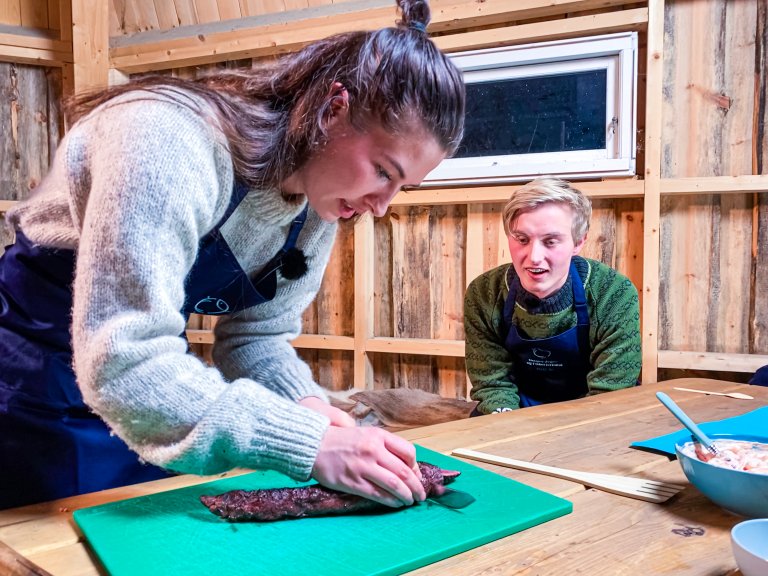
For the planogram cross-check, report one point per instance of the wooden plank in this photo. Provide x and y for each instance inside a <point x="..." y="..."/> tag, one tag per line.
<point x="758" y="303"/>
<point x="167" y="17"/>
<point x="146" y="15"/>
<point x="618" y="188"/>
<point x="296" y="4"/>
<point x="447" y="281"/>
<point x="32" y="128"/>
<point x="411" y="282"/>
<point x="10" y="184"/>
<point x="715" y="184"/>
<point x="364" y="300"/>
<point x="255" y="37"/>
<point x="601" y="239"/>
<point x="124" y="18"/>
<point x="652" y="174"/>
<point x="38" y="39"/>
<point x="65" y="20"/>
<point x="207" y="11"/>
<point x="728" y="362"/>
<point x="419" y="346"/>
<point x="324" y="342"/>
<point x="333" y="303"/>
<point x="10" y="12"/>
<point x="34" y="13"/>
<point x="262" y="7"/>
<point x="90" y="44"/>
<point x="34" y="56"/>
<point x="185" y="11"/>
<point x="54" y="16"/>
<point x="602" y="23"/>
<point x="383" y="304"/>
<point x="14" y="564"/>
<point x="229" y="9"/>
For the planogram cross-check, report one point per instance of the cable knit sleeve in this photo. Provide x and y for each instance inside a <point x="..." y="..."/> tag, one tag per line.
<point x="489" y="365"/>
<point x="615" y="330"/>
<point x="158" y="178"/>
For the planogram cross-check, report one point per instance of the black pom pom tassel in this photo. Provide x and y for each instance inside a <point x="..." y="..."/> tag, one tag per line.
<point x="293" y="264"/>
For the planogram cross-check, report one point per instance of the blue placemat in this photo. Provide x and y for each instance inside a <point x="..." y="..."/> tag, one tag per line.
<point x="751" y="423"/>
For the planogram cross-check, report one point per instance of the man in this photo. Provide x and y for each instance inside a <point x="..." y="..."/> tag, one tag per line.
<point x="551" y="326"/>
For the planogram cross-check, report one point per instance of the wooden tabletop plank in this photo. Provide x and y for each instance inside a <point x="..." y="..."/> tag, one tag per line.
<point x="617" y="536"/>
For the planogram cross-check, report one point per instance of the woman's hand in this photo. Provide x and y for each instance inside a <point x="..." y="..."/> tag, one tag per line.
<point x="369" y="462"/>
<point x="337" y="417"/>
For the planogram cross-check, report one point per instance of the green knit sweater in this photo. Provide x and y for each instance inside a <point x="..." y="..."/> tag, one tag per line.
<point x="614" y="330"/>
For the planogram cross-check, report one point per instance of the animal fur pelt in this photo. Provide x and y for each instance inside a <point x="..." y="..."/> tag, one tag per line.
<point x="399" y="408"/>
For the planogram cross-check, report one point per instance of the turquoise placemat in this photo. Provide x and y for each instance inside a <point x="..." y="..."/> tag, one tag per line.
<point x="752" y="423"/>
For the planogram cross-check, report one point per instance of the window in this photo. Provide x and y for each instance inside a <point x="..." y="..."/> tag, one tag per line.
<point x="565" y="108"/>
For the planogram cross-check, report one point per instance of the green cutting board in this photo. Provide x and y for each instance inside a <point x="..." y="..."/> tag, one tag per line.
<point x="172" y="533"/>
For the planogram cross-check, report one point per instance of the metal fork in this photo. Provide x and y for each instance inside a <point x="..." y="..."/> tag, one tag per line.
<point x="639" y="488"/>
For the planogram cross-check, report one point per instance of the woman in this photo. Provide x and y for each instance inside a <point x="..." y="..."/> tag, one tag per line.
<point x="215" y="196"/>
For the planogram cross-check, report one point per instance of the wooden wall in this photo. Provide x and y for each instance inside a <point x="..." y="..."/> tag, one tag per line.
<point x="30" y="123"/>
<point x="713" y="288"/>
<point x="691" y="231"/>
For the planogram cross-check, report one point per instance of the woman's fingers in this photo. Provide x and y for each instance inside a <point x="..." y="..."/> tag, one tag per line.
<point x="369" y="462"/>
<point x="335" y="415"/>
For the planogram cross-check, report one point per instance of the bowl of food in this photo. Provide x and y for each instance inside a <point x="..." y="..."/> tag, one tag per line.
<point x="736" y="479"/>
<point x="749" y="541"/>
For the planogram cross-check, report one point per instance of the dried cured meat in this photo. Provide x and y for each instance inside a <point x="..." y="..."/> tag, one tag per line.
<point x="315" y="500"/>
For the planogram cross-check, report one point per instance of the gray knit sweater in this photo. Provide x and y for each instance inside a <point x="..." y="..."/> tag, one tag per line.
<point x="133" y="188"/>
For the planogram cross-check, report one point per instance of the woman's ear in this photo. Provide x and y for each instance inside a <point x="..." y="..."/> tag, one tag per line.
<point x="339" y="99"/>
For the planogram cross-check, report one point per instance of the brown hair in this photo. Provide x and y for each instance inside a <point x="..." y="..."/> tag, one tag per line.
<point x="273" y="117"/>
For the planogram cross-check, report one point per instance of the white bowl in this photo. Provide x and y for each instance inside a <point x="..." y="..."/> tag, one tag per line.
<point x="749" y="541"/>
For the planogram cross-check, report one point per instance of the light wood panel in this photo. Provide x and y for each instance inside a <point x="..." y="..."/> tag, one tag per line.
<point x="10" y="12"/>
<point x="706" y="259"/>
<point x="90" y="44"/>
<point x="276" y="31"/>
<point x="712" y="361"/>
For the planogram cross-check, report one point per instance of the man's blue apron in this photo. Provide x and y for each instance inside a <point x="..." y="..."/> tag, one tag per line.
<point x="551" y="369"/>
<point x="51" y="444"/>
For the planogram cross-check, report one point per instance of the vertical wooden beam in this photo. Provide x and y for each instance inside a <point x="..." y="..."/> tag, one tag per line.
<point x="473" y="261"/>
<point x="652" y="199"/>
<point x="63" y="11"/>
<point x="90" y="44"/>
<point x="364" y="311"/>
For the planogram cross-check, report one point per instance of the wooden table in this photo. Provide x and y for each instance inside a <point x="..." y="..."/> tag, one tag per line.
<point x="605" y="534"/>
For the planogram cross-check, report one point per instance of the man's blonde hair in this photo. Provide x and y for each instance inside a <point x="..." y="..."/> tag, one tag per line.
<point x="547" y="190"/>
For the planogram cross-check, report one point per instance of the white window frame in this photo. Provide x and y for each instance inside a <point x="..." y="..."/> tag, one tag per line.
<point x="614" y="53"/>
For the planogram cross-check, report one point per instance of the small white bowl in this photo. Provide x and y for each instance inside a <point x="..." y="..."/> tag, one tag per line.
<point x="749" y="541"/>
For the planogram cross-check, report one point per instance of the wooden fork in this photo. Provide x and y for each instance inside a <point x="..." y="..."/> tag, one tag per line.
<point x="738" y="395"/>
<point x="639" y="488"/>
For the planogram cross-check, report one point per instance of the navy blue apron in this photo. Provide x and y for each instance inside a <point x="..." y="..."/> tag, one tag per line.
<point x="551" y="369"/>
<point x="51" y="444"/>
